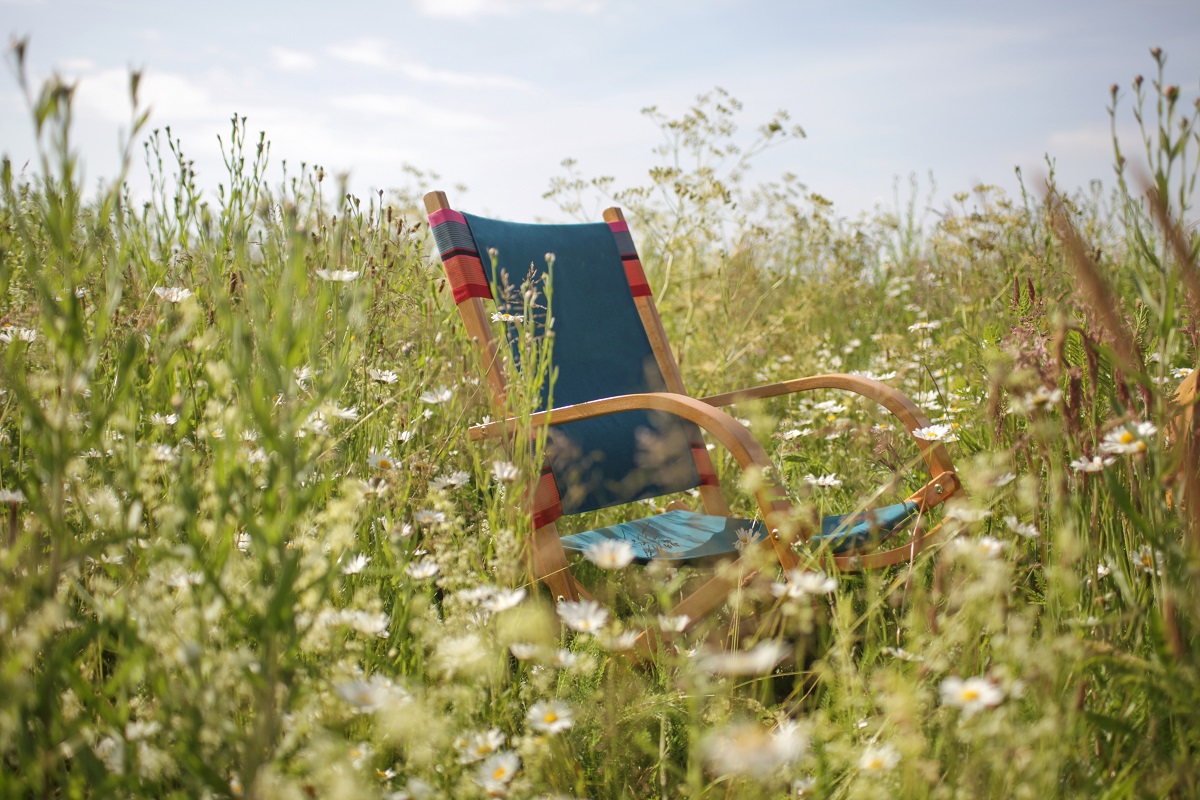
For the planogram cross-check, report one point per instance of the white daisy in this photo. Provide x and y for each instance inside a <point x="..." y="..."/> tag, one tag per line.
<point x="878" y="758"/>
<point x="759" y="660"/>
<point x="610" y="553"/>
<point x="428" y="517"/>
<point x="381" y="460"/>
<point x="357" y="563"/>
<point x="172" y="294"/>
<point x="1093" y="464"/>
<point x="1128" y="441"/>
<point x="550" y="717"/>
<point x="752" y="750"/>
<point x="497" y="772"/>
<point x="503" y="599"/>
<point x="936" y="433"/>
<point x="801" y="583"/>
<point x="422" y="570"/>
<point x="585" y="616"/>
<point x="478" y="745"/>
<point x="971" y="695"/>
<point x="338" y="275"/>
<point x="438" y="395"/>
<point x="505" y="471"/>
<point x="823" y="481"/>
<point x="1022" y="528"/>
<point x="383" y="375"/>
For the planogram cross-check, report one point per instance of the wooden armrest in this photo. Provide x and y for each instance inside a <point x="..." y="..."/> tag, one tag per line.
<point x="728" y="432"/>
<point x="905" y="410"/>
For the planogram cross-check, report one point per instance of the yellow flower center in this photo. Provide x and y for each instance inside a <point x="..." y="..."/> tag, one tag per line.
<point x="550" y="718"/>
<point x="970" y="694"/>
<point x="1126" y="437"/>
<point x="499" y="773"/>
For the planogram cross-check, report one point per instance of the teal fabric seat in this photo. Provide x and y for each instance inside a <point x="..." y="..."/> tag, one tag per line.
<point x="687" y="535"/>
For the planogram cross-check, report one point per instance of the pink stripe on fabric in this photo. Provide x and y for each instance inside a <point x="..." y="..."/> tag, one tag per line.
<point x="446" y="215"/>
<point x="618" y="227"/>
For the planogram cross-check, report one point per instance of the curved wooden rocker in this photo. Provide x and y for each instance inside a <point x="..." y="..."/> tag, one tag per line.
<point x="622" y="426"/>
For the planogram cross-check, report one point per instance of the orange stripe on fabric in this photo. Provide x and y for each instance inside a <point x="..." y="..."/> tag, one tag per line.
<point x="704" y="466"/>
<point x="547" y="502"/>
<point x="638" y="285"/>
<point x="466" y="277"/>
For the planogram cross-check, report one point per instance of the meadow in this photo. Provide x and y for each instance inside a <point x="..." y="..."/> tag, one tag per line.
<point x="249" y="550"/>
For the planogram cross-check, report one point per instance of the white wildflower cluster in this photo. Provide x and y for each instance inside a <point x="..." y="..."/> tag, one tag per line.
<point x="984" y="547"/>
<point x="366" y="622"/>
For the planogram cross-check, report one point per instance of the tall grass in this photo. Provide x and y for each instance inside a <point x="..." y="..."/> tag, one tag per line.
<point x="249" y="550"/>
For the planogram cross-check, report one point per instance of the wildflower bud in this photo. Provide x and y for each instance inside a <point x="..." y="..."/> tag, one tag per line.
<point x="549" y="259"/>
<point x="1113" y="90"/>
<point x="1137" y="82"/>
<point x="1156" y="54"/>
<point x="1172" y="94"/>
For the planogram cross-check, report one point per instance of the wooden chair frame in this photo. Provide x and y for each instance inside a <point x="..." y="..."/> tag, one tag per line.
<point x="548" y="557"/>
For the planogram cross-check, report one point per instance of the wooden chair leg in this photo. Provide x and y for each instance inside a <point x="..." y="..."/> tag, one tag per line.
<point x="550" y="563"/>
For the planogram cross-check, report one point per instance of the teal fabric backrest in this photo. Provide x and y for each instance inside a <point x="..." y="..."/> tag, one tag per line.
<point x="600" y="349"/>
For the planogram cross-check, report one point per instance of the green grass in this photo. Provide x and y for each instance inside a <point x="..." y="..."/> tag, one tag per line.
<point x="213" y="587"/>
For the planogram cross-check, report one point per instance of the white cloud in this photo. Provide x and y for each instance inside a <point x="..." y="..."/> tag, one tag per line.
<point x="76" y="66"/>
<point x="371" y="51"/>
<point x="467" y="9"/>
<point x="395" y="106"/>
<point x="420" y="72"/>
<point x="1090" y="140"/>
<point x="292" y="60"/>
<point x="170" y="96"/>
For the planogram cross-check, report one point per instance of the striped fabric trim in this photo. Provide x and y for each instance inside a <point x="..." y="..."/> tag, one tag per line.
<point x="704" y="466"/>
<point x="638" y="285"/>
<point x="460" y="258"/>
<point x="547" y="502"/>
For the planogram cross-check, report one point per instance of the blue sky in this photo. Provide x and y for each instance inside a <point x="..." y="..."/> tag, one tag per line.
<point x="494" y="94"/>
